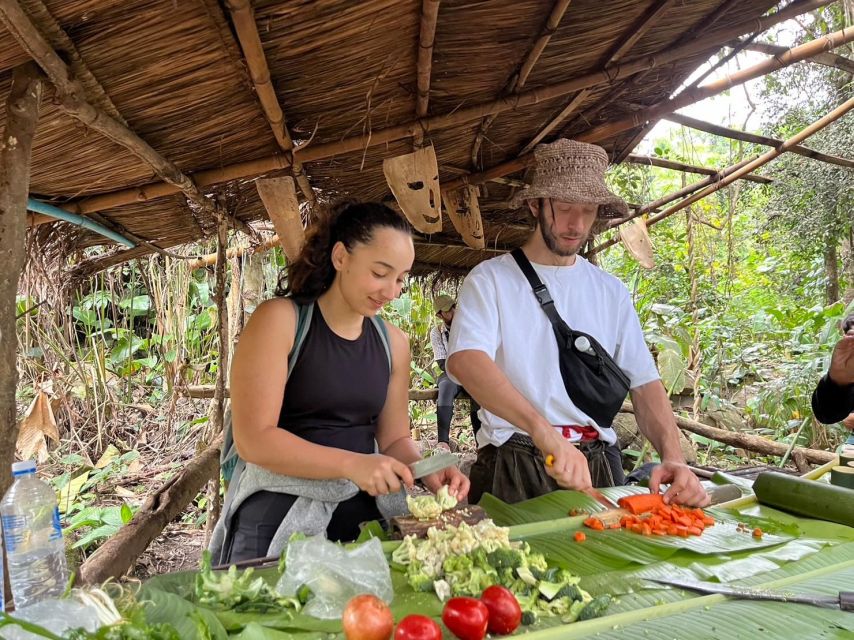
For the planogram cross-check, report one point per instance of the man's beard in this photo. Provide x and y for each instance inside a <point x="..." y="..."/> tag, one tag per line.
<point x="551" y="241"/>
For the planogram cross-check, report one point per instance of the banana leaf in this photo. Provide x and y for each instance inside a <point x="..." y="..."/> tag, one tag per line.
<point x="797" y="554"/>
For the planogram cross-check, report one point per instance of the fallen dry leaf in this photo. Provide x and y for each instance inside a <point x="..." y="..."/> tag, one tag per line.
<point x="37" y="423"/>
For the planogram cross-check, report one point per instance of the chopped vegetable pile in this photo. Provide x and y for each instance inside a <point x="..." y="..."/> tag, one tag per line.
<point x="465" y="560"/>
<point x="650" y="515"/>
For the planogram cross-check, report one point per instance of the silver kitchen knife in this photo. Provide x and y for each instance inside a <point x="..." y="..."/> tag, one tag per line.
<point x="844" y="600"/>
<point x="434" y="463"/>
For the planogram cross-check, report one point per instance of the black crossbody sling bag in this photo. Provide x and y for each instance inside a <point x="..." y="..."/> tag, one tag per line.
<point x="593" y="381"/>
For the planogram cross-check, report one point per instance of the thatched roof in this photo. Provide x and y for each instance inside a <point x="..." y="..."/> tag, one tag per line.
<point x="174" y="71"/>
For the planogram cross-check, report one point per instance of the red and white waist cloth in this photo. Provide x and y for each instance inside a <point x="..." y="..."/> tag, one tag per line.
<point x="577" y="432"/>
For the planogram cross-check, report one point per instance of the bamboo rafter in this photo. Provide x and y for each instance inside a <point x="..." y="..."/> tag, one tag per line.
<point x="254" y="168"/>
<point x="686" y="168"/>
<point x="519" y="79"/>
<point x="616" y="53"/>
<point x="243" y="19"/>
<point x="424" y="63"/>
<point x="827" y="59"/>
<point x="598" y="134"/>
<point x="745" y="168"/>
<point x="72" y="98"/>
<point x="767" y="141"/>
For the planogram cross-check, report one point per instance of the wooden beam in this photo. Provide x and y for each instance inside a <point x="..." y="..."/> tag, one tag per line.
<point x="424" y="61"/>
<point x="517" y="82"/>
<point x="663" y="163"/>
<point x="280" y="200"/>
<point x="22" y="114"/>
<point x="745" y="168"/>
<point x="754" y="138"/>
<point x="616" y="53"/>
<point x="827" y="59"/>
<point x="255" y="168"/>
<point x="243" y="19"/>
<point x="71" y="97"/>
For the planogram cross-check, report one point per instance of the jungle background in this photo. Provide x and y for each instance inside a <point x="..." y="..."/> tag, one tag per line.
<point x="741" y="311"/>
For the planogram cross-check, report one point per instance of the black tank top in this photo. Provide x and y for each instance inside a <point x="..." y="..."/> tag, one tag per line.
<point x="337" y="388"/>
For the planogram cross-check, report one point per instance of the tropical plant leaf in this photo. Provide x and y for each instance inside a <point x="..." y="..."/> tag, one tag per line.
<point x="189" y="620"/>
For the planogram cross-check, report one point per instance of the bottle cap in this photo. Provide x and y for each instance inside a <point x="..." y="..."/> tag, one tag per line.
<point x="24" y="467"/>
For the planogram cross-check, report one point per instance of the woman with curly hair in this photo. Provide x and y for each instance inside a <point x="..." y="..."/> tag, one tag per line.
<point x="339" y="419"/>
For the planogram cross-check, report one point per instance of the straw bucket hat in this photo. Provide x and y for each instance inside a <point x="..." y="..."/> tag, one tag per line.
<point x="443" y="302"/>
<point x="572" y="171"/>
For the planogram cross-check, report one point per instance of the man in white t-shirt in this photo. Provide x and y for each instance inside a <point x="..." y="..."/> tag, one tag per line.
<point x="503" y="350"/>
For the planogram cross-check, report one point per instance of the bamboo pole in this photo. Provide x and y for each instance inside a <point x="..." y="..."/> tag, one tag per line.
<point x="598" y="134"/>
<point x="243" y="19"/>
<point x="746" y="168"/>
<point x="663" y="163"/>
<point x="827" y="59"/>
<point x="254" y="168"/>
<point x="71" y="97"/>
<point x="744" y="136"/>
<point x="690" y="96"/>
<point x="424" y="63"/>
<point x="516" y="83"/>
<point x="22" y="114"/>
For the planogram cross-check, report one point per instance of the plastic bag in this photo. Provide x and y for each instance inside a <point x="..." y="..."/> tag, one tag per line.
<point x="55" y="615"/>
<point x="334" y="574"/>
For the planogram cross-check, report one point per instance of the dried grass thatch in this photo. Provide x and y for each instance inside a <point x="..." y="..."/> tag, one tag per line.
<point x="340" y="68"/>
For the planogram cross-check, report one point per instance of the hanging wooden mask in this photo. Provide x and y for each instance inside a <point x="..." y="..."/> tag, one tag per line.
<point x="463" y="209"/>
<point x="414" y="180"/>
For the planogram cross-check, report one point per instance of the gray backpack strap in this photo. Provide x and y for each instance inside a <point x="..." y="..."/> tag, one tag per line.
<point x="230" y="463"/>
<point x="382" y="330"/>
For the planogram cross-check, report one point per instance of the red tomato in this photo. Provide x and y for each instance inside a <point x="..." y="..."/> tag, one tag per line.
<point x="466" y="618"/>
<point x="505" y="614"/>
<point x="417" y="627"/>
<point x="366" y="617"/>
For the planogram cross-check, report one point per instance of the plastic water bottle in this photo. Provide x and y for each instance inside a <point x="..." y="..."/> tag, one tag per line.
<point x="584" y="346"/>
<point x="34" y="548"/>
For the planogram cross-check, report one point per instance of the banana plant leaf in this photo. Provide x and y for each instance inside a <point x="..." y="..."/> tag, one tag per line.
<point x="797" y="554"/>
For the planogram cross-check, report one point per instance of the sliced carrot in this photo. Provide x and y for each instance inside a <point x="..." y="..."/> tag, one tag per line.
<point x="757" y="532"/>
<point x="643" y="503"/>
<point x="580" y="536"/>
<point x="694" y="531"/>
<point x="595" y="523"/>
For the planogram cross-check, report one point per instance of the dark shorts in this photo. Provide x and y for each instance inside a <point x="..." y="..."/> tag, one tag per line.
<point x="259" y="516"/>
<point x="516" y="471"/>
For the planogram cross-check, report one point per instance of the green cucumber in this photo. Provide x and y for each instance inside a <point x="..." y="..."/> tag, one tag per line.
<point x="805" y="497"/>
<point x="842" y="477"/>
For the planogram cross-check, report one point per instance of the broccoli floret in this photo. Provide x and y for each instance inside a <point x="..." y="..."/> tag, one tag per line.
<point x="420" y="581"/>
<point x="576" y="608"/>
<point x="472" y="582"/>
<point x="537" y="561"/>
<point x="559" y="606"/>
<point x="595" y="608"/>
<point x="570" y="591"/>
<point x="457" y="563"/>
<point x="529" y="618"/>
<point x="480" y="558"/>
<point x="503" y="558"/>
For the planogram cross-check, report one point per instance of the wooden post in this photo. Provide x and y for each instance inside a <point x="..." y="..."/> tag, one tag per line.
<point x="280" y="200"/>
<point x="22" y="114"/>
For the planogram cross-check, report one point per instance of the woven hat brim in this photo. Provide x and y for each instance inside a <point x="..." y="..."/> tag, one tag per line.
<point x="610" y="204"/>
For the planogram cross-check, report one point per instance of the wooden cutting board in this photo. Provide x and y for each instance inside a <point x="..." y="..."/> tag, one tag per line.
<point x="410" y="525"/>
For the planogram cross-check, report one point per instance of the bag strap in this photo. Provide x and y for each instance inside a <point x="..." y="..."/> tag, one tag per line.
<point x="540" y="291"/>
<point x="382" y="330"/>
<point x="304" y="315"/>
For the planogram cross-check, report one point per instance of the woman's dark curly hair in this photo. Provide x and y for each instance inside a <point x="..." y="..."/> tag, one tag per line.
<point x="351" y="223"/>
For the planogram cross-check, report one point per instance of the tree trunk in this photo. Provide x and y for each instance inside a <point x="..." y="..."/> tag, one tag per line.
<point x="745" y="440"/>
<point x="831" y="269"/>
<point x="22" y="113"/>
